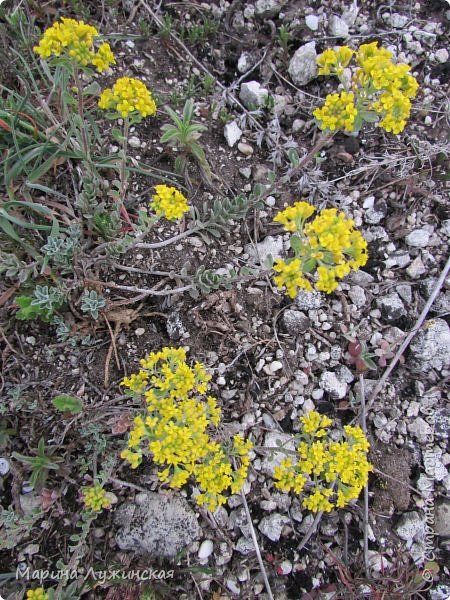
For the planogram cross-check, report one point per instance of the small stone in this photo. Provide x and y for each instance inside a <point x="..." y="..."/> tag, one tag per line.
<point x="396" y="20"/>
<point x="232" y="133"/>
<point x="418" y="238"/>
<point x="357" y="295"/>
<point x="29" y="503"/>
<point x="312" y="22"/>
<point x="206" y="549"/>
<point x="134" y="142"/>
<point x="259" y="252"/>
<point x="224" y="555"/>
<point x="416" y="268"/>
<point x="308" y="300"/>
<point x="442" y="518"/>
<point x="338" y="27"/>
<point x="244" y="546"/>
<point x="398" y="258"/>
<point x="232" y="584"/>
<point x="374" y="215"/>
<point x="246" y="172"/>
<point x="245" y="149"/>
<point x="139" y="331"/>
<point x="245" y="62"/>
<point x="4" y="467"/>
<point x="174" y="326"/>
<point x="267" y="9"/>
<point x="302" y="66"/>
<point x="317" y="394"/>
<point x="252" y="94"/>
<point x="272" y="526"/>
<point x="391" y="307"/>
<point x="430" y="348"/>
<point x="30" y="340"/>
<point x="273" y="367"/>
<point x="332" y="385"/>
<point x="295" y="322"/>
<point x="284" y="568"/>
<point x="441" y="55"/>
<point x="270" y="201"/>
<point x="421" y="430"/>
<point x="299" y="124"/>
<point x="411" y="526"/>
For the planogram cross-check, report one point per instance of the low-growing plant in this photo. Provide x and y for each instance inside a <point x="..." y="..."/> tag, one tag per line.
<point x="376" y="90"/>
<point x="328" y="245"/>
<point x="184" y="135"/>
<point x="327" y="473"/>
<point x="40" y="464"/>
<point x="174" y="428"/>
<point x="92" y="303"/>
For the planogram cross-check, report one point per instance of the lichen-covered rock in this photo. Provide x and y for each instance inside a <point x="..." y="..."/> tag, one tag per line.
<point x="156" y="526"/>
<point x="430" y="349"/>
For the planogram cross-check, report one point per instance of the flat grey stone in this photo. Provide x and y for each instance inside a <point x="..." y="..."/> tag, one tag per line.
<point x="295" y="322"/>
<point x="338" y="27"/>
<point x="159" y="526"/>
<point x="252" y="94"/>
<point x="410" y="527"/>
<point x="270" y="245"/>
<point x="330" y="383"/>
<point x="272" y="526"/>
<point x="276" y="439"/>
<point x="418" y="238"/>
<point x="391" y="307"/>
<point x="430" y="349"/>
<point x="267" y="9"/>
<point x="302" y="66"/>
<point x="232" y="133"/>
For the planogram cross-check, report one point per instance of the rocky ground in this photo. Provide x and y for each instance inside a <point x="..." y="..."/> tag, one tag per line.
<point x="272" y="359"/>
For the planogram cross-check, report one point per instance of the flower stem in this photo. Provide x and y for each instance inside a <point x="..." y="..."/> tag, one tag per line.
<point x="84" y="136"/>
<point x="124" y="173"/>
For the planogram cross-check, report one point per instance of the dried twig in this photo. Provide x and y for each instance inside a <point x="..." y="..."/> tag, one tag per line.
<point x="366" y="488"/>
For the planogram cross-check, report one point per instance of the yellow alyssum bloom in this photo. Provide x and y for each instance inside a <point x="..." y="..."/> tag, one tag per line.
<point x="128" y="96"/>
<point x="96" y="498"/>
<point x="169" y="202"/>
<point x="75" y="39"/>
<point x="174" y="428"/>
<point x="329" y="474"/>
<point x="293" y="216"/>
<point x="37" y="594"/>
<point x="291" y="276"/>
<point x="338" y="112"/>
<point x="334" y="61"/>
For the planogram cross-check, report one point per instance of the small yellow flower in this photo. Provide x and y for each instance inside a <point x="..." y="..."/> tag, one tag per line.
<point x="96" y="498"/>
<point x="169" y="202"/>
<point x="75" y="39"/>
<point x="37" y="594"/>
<point x="293" y="216"/>
<point x="128" y="96"/>
<point x="338" y="112"/>
<point x="291" y="276"/>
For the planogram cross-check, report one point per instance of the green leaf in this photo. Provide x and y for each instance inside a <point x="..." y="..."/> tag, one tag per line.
<point x="269" y="261"/>
<point x="309" y="265"/>
<point x="117" y="135"/>
<point x="93" y="89"/>
<point x="295" y="243"/>
<point x="258" y="189"/>
<point x="369" y="116"/>
<point x="65" y="403"/>
<point x="293" y="157"/>
<point x="271" y="176"/>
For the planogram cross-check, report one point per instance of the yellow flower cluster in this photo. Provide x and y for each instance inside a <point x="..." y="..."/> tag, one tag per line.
<point x="175" y="425"/>
<point x="329" y="244"/>
<point x="169" y="202"/>
<point x="380" y="89"/>
<point x="96" y="498"/>
<point x="128" y="96"/>
<point x="329" y="474"/>
<point x="75" y="39"/>
<point x="37" y="594"/>
<point x="338" y="112"/>
<point x="333" y="62"/>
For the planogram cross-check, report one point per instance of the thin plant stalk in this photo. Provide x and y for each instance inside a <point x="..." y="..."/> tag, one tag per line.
<point x="124" y="172"/>
<point x="84" y="136"/>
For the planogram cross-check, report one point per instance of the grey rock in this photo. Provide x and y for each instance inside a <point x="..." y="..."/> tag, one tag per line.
<point x="159" y="526"/>
<point x="302" y="66"/>
<point x="206" y="549"/>
<point x="442" y="518"/>
<point x="421" y="430"/>
<point x="246" y="149"/>
<point x="308" y="300"/>
<point x="272" y="526"/>
<point x="361" y="278"/>
<point x="244" y="546"/>
<point x="396" y="20"/>
<point x="295" y="322"/>
<point x="441" y="420"/>
<point x="338" y="27"/>
<point x="411" y="527"/>
<point x="29" y="503"/>
<point x="245" y="62"/>
<point x="134" y="142"/>
<point x="312" y="22"/>
<point x="416" y="268"/>
<point x="441" y="56"/>
<point x="350" y="13"/>
<point x="357" y="295"/>
<point x="330" y="383"/>
<point x="232" y="133"/>
<point x="343" y="373"/>
<point x="246" y="172"/>
<point x="259" y="253"/>
<point x="253" y="94"/>
<point x="441" y="591"/>
<point x="391" y="307"/>
<point x="267" y="9"/>
<point x="174" y="326"/>
<point x="398" y="258"/>
<point x="275" y="439"/>
<point x="430" y="349"/>
<point x="238" y="520"/>
<point x="418" y="238"/>
<point x="374" y="215"/>
<point x="4" y="467"/>
<point x="224" y="555"/>
<point x="405" y="293"/>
